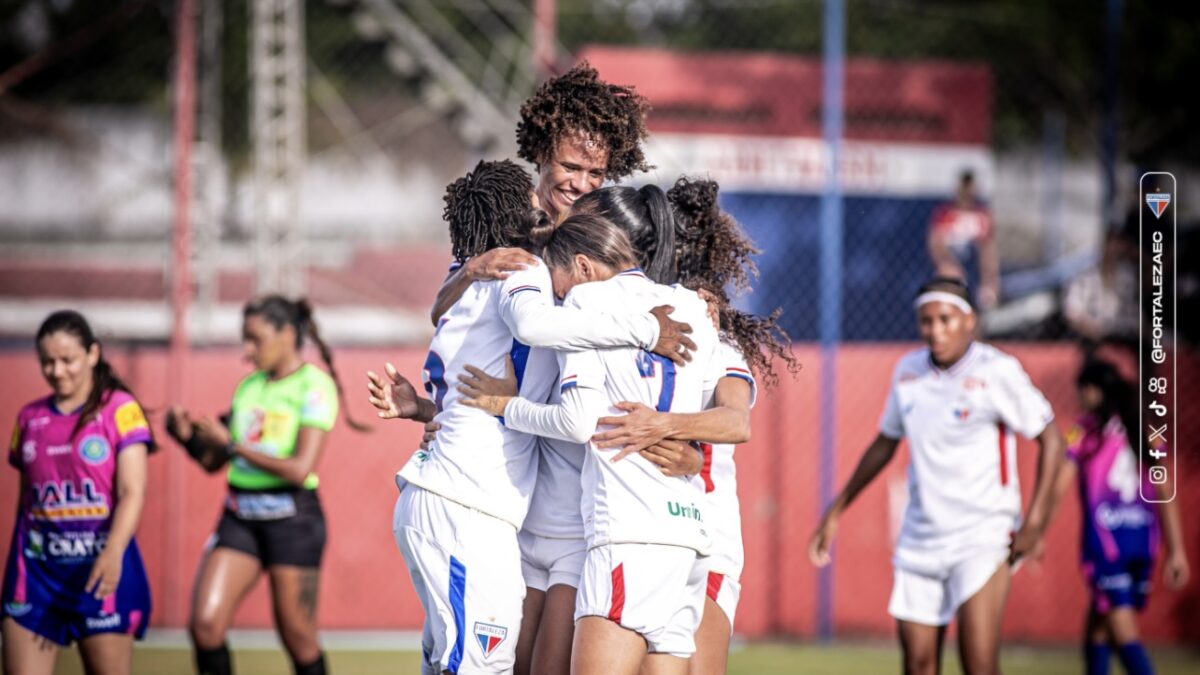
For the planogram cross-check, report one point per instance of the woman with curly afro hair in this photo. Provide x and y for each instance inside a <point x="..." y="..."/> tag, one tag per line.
<point x="578" y="131"/>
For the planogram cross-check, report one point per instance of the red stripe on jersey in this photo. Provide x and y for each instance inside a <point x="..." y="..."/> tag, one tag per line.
<point x="1003" y="454"/>
<point x="715" y="579"/>
<point x="706" y="449"/>
<point x="618" y="593"/>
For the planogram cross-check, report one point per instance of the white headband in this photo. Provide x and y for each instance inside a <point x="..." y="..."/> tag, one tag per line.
<point x="942" y="296"/>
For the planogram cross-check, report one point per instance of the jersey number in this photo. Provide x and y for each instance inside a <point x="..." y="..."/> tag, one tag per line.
<point x="665" y="370"/>
<point x="435" y="379"/>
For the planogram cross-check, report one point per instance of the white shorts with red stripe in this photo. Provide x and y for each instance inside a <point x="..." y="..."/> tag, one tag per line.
<point x="652" y="589"/>
<point x="725" y="591"/>
<point x="546" y="561"/>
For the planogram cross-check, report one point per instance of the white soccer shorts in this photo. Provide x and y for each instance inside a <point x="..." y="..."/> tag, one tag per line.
<point x="652" y="589"/>
<point x="466" y="570"/>
<point x="931" y="593"/>
<point x="546" y="561"/>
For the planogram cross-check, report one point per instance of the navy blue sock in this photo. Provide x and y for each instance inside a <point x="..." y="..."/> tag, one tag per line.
<point x="214" y="661"/>
<point x="315" y="668"/>
<point x="1095" y="656"/>
<point x="1135" y="659"/>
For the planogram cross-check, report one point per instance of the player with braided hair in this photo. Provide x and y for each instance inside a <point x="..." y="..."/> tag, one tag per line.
<point x="578" y="131"/>
<point x="276" y="433"/>
<point x="464" y="497"/>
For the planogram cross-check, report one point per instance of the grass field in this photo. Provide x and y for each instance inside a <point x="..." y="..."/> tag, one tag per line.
<point x="757" y="659"/>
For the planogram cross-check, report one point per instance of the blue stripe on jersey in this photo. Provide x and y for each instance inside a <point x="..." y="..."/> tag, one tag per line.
<point x="741" y="377"/>
<point x="454" y="267"/>
<point x="458" y="592"/>
<point x="632" y="271"/>
<point x="568" y="382"/>
<point x="518" y="289"/>
<point x="520" y="356"/>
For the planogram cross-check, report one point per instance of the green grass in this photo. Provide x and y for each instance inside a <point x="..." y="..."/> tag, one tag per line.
<point x="759" y="659"/>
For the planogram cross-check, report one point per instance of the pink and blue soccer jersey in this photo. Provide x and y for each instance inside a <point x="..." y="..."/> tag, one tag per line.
<point x="69" y="495"/>
<point x="1120" y="530"/>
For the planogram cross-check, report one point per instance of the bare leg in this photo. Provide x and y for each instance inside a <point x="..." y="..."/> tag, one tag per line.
<point x="26" y="652"/>
<point x="531" y="615"/>
<point x="603" y="647"/>
<point x="552" y="653"/>
<point x="1122" y="625"/>
<point x="712" y="641"/>
<point x="979" y="625"/>
<point x="107" y="654"/>
<point x="224" y="578"/>
<point x="921" y="645"/>
<point x="294" y="597"/>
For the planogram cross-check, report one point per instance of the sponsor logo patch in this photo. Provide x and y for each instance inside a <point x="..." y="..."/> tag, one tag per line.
<point x="130" y="418"/>
<point x="94" y="449"/>
<point x="489" y="636"/>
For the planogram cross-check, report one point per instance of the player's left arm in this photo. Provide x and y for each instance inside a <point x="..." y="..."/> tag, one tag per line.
<point x="1175" y="567"/>
<point x="1041" y="506"/>
<point x="310" y="442"/>
<point x="1025" y="410"/>
<point x="130" y="497"/>
<point x="728" y="421"/>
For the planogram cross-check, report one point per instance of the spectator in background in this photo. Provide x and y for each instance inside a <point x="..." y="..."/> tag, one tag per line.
<point x="961" y="239"/>
<point x="1100" y="305"/>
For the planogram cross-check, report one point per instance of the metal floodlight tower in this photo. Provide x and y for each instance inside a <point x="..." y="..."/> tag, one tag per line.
<point x="278" y="128"/>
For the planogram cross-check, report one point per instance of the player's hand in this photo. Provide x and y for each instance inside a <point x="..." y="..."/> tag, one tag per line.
<point x="640" y="428"/>
<point x="211" y="432"/>
<point x="105" y="575"/>
<point x="179" y="424"/>
<point x="394" y="398"/>
<point x="673" y="341"/>
<point x="1024" y="543"/>
<point x="714" y="306"/>
<point x="822" y="541"/>
<point x="498" y="263"/>
<point x="1175" y="570"/>
<point x="478" y="383"/>
<point x="431" y="429"/>
<point x="674" y="458"/>
<point x="490" y="404"/>
<point x="989" y="295"/>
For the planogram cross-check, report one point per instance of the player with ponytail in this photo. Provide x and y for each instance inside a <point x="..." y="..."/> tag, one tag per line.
<point x="277" y="429"/>
<point x="74" y="571"/>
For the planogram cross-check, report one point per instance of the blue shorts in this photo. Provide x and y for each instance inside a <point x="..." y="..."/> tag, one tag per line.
<point x="1124" y="582"/>
<point x="47" y="596"/>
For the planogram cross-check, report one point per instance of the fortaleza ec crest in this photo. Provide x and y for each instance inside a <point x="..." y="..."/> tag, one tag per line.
<point x="489" y="636"/>
<point x="1158" y="202"/>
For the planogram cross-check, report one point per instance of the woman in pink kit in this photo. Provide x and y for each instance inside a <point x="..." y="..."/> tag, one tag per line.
<point x="1121" y="529"/>
<point x="74" y="571"/>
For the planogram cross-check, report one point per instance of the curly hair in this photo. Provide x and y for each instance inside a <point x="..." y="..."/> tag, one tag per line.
<point x="490" y="207"/>
<point x="579" y="101"/>
<point x="712" y="254"/>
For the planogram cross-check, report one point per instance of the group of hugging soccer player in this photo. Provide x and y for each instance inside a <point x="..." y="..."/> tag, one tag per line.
<point x="573" y="505"/>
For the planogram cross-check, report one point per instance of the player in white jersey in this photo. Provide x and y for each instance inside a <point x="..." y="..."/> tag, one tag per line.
<point x="457" y="519"/>
<point x="712" y="255"/>
<point x="958" y="402"/>
<point x="641" y="593"/>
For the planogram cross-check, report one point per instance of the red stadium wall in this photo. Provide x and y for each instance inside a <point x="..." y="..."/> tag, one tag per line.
<point x="365" y="585"/>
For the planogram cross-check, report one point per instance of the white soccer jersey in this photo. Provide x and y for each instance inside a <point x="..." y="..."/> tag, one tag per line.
<point x="475" y="460"/>
<point x="723" y="515"/>
<point x="959" y="423"/>
<point x="554" y="510"/>
<point x="631" y="501"/>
